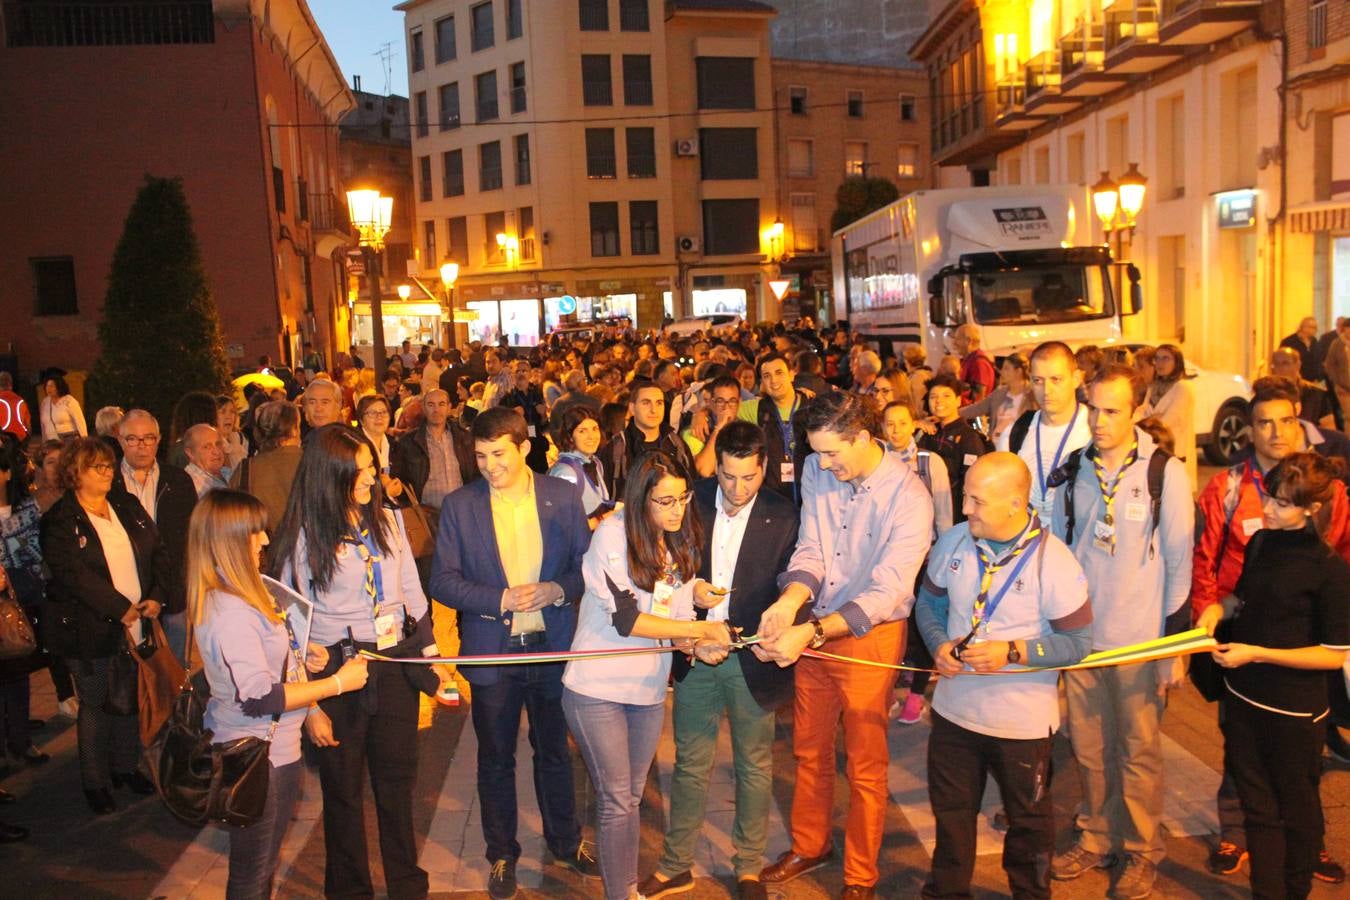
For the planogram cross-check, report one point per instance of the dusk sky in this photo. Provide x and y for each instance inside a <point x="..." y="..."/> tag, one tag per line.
<point x="356" y="30"/>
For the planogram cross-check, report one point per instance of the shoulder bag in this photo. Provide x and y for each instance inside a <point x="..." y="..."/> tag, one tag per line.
<point x="420" y="523"/>
<point x="16" y="632"/>
<point x="201" y="781"/>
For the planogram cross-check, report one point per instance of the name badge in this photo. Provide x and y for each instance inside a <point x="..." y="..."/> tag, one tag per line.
<point x="662" y="594"/>
<point x="1135" y="512"/>
<point x="384" y="632"/>
<point x="788" y="472"/>
<point x="1102" y="535"/>
<point x="529" y="429"/>
<point x="1250" y="526"/>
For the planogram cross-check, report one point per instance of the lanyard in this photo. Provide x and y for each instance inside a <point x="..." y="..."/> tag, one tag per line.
<point x="1258" y="479"/>
<point x="1059" y="451"/>
<point x="367" y="549"/>
<point x="785" y="428"/>
<point x="984" y="604"/>
<point x="294" y="651"/>
<point x="1109" y="490"/>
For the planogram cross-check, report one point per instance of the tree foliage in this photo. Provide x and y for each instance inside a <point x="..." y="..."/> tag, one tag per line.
<point x="859" y="196"/>
<point x="160" y="333"/>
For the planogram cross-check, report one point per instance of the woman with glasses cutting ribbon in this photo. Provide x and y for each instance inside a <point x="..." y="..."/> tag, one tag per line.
<point x="640" y="589"/>
<point x="342" y="548"/>
<point x="254" y="664"/>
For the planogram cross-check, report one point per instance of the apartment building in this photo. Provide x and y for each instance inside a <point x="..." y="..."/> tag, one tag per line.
<point x="239" y="98"/>
<point x="548" y="139"/>
<point x="1316" y="130"/>
<point x="836" y="121"/>
<point x="1049" y="91"/>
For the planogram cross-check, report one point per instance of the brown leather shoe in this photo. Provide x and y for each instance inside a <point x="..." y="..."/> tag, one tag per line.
<point x="857" y="892"/>
<point x="790" y="866"/>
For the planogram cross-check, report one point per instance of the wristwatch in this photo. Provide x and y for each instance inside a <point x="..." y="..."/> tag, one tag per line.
<point x="817" y="639"/>
<point x="1013" y="655"/>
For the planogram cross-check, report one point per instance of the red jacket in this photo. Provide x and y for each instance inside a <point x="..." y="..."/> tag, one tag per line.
<point x="1232" y="502"/>
<point x="14" y="416"/>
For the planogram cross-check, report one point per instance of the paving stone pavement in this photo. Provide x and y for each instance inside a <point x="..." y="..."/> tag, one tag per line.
<point x="141" y="852"/>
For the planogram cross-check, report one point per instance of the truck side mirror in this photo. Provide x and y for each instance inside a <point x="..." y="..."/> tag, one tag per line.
<point x="937" y="309"/>
<point x="1136" y="290"/>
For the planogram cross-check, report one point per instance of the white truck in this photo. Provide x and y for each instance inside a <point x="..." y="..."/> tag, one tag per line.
<point x="1020" y="262"/>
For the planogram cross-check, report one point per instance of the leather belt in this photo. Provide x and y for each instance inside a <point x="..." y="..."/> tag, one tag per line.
<point x="527" y="639"/>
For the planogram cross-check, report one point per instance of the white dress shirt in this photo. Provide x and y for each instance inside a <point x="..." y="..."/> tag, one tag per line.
<point x="728" y="532"/>
<point x="147" y="492"/>
<point x="119" y="554"/>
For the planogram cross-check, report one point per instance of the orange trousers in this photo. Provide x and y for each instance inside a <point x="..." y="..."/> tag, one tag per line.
<point x="825" y="691"/>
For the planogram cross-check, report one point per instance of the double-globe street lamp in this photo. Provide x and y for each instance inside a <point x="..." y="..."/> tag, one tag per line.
<point x="372" y="214"/>
<point x="1117" y="204"/>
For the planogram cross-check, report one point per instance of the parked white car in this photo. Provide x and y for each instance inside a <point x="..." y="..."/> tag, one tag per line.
<point x="1221" y="427"/>
<point x="707" y="324"/>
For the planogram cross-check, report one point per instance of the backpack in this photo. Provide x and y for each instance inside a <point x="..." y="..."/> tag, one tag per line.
<point x="923" y="465"/>
<point x="1017" y="434"/>
<point x="1067" y="474"/>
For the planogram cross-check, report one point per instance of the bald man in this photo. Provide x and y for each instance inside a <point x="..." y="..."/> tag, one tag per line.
<point x="1033" y="611"/>
<point x="206" y="458"/>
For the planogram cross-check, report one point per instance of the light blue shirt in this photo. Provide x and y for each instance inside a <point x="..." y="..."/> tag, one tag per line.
<point x="860" y="544"/>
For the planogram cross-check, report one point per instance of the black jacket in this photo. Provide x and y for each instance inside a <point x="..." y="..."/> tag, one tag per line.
<point x="775" y="451"/>
<point x="81" y="581"/>
<point x="410" y="463"/>
<point x="175" y="499"/>
<point x="770" y="538"/>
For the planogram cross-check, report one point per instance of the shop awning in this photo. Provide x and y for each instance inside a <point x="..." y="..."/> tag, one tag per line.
<point x="1327" y="215"/>
<point x="398" y="308"/>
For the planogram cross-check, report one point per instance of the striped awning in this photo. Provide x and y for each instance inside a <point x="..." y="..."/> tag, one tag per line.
<point x="1310" y="218"/>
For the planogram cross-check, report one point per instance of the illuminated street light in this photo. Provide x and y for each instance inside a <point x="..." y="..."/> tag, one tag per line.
<point x="449" y="275"/>
<point x="510" y="246"/>
<point x="1105" y="198"/>
<point x="404" y="291"/>
<point x="372" y="215"/>
<point x="1132" y="188"/>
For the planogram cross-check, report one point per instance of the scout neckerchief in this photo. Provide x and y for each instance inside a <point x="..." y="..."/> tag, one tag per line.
<point x="988" y="568"/>
<point x="1109" y="490"/>
<point x="369" y="552"/>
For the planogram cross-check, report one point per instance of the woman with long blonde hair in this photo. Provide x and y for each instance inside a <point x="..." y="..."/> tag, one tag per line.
<point x="252" y="660"/>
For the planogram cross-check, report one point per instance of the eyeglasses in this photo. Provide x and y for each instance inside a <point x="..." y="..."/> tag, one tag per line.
<point x="136" y="440"/>
<point x="102" y="468"/>
<point x="723" y="404"/>
<point x="670" y="502"/>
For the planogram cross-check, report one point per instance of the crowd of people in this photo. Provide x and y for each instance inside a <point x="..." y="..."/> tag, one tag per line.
<point x="788" y="514"/>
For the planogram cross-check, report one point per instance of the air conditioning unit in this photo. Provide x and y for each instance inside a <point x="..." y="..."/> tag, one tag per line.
<point x="686" y="147"/>
<point x="687" y="244"/>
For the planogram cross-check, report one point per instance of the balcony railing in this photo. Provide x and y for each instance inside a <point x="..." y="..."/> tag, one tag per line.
<point x="597" y="93"/>
<point x="633" y="15"/>
<point x="1009" y="96"/>
<point x="1131" y="22"/>
<point x="326" y="213"/>
<point x="1042" y="74"/>
<point x="89" y="24"/>
<point x="1081" y="49"/>
<point x="1317" y="25"/>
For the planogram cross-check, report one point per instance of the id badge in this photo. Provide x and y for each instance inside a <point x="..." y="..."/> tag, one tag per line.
<point x="530" y="430"/>
<point x="1135" y="512"/>
<point x="788" y="472"/>
<point x="1251" y="526"/>
<point x="384" y="632"/>
<point x="662" y="594"/>
<point x="1102" y="534"/>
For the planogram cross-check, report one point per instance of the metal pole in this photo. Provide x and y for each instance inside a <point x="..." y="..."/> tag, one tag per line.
<point x="376" y="312"/>
<point x="450" y="301"/>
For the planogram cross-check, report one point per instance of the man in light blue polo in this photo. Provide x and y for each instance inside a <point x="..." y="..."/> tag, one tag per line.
<point x="999" y="591"/>
<point x="1132" y="530"/>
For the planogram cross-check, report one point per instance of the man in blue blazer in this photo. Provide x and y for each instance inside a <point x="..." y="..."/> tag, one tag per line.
<point x="508" y="558"/>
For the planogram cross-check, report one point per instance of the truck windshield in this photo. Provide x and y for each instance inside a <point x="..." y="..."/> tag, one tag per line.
<point x="1063" y="293"/>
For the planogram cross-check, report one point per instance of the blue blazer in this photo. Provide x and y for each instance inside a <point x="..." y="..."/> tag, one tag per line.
<point x="467" y="574"/>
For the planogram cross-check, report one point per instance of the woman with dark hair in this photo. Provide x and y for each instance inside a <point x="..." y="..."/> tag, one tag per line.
<point x="21" y="560"/>
<point x="1290" y="618"/>
<point x="253" y="662"/>
<point x="60" y="413"/>
<point x="577" y="432"/>
<point x="47" y="477"/>
<point x="193" y="408"/>
<point x="341" y="547"/>
<point x="109" y="570"/>
<point x="640" y="591"/>
<point x="268" y="475"/>
<point x="1172" y="399"/>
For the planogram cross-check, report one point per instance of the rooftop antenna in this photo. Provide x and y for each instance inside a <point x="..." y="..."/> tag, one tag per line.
<point x="386" y="55"/>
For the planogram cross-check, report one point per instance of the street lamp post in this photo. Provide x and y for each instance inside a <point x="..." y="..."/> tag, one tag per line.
<point x="372" y="215"/>
<point x="1117" y="204"/>
<point x="449" y="275"/>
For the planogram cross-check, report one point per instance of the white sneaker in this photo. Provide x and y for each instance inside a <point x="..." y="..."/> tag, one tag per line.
<point x="70" y="708"/>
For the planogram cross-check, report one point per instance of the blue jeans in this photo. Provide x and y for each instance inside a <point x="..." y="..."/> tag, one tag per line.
<point x="496" y="707"/>
<point x="254" y="850"/>
<point x="618" y="742"/>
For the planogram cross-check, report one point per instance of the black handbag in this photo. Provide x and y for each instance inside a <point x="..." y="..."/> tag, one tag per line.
<point x="123" y="684"/>
<point x="201" y="781"/>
